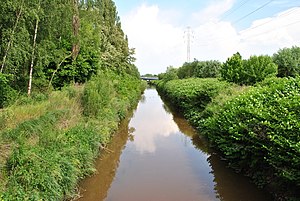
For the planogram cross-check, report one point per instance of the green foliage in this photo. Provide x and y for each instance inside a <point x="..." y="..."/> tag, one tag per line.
<point x="232" y="68"/>
<point x="101" y="42"/>
<point x="256" y="69"/>
<point x="256" y="129"/>
<point x="192" y="95"/>
<point x="201" y="69"/>
<point x="248" y="72"/>
<point x="258" y="132"/>
<point x="56" y="149"/>
<point x="110" y="91"/>
<point x="170" y="74"/>
<point x="288" y="61"/>
<point x="7" y="94"/>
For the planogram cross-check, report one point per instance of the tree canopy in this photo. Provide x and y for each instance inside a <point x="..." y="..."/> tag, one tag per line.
<point x="60" y="42"/>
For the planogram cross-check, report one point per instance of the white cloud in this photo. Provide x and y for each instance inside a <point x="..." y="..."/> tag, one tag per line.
<point x="267" y="35"/>
<point x="146" y="133"/>
<point x="214" y="11"/>
<point x="160" y="43"/>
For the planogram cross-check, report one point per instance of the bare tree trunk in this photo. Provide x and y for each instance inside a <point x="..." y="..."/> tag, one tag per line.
<point x="11" y="39"/>
<point x="76" y="25"/>
<point x="33" y="49"/>
<point x="32" y="56"/>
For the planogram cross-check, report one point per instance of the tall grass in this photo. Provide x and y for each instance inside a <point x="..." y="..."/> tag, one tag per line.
<point x="53" y="142"/>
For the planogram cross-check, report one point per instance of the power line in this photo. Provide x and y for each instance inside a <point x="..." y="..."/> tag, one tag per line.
<point x="252" y="12"/>
<point x="256" y="35"/>
<point x="273" y="19"/>
<point x="229" y="12"/>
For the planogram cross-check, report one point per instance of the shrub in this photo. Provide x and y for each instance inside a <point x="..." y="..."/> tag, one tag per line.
<point x="258" y="132"/>
<point x="192" y="95"/>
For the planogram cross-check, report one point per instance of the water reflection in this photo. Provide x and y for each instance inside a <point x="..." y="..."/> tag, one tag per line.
<point x="97" y="186"/>
<point x="150" y="123"/>
<point x="164" y="159"/>
<point x="225" y="179"/>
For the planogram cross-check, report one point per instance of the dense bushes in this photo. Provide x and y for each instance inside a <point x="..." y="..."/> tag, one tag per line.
<point x="53" y="145"/>
<point x="192" y="95"/>
<point x="259" y="132"/>
<point x="256" y="129"/>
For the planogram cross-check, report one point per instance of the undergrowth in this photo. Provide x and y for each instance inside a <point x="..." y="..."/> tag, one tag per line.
<point x="48" y="145"/>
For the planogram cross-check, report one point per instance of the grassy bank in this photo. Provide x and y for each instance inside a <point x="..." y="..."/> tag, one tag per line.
<point x="49" y="143"/>
<point x="256" y="129"/>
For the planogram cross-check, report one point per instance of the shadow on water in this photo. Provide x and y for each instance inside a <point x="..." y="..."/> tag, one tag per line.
<point x="178" y="165"/>
<point x="96" y="187"/>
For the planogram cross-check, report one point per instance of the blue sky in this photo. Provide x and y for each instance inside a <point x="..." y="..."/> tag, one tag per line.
<point x="156" y="29"/>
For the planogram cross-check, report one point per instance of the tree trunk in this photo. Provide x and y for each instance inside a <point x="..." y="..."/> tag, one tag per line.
<point x="32" y="56"/>
<point x="11" y="39"/>
<point x="76" y="25"/>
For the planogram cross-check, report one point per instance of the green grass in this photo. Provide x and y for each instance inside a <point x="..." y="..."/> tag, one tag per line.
<point x="48" y="145"/>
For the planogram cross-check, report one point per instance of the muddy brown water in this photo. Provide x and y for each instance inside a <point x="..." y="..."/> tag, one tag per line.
<point x="157" y="156"/>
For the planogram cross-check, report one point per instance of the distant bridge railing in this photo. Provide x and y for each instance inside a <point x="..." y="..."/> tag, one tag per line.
<point x="149" y="78"/>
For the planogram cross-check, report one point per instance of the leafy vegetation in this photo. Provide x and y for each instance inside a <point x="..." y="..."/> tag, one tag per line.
<point x="170" y="74"/>
<point x="49" y="139"/>
<point x="50" y="44"/>
<point x="288" y="61"/>
<point x="7" y="94"/>
<point x="256" y="129"/>
<point x="54" y="147"/>
<point x="248" y="72"/>
<point x="200" y="69"/>
<point x="191" y="96"/>
<point x="258" y="132"/>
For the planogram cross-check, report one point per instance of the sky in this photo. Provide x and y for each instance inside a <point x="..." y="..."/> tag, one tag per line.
<point x="158" y="29"/>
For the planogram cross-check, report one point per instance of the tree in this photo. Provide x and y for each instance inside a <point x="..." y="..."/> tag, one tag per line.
<point x="257" y="68"/>
<point x="288" y="61"/>
<point x="231" y="69"/>
<point x="208" y="69"/>
<point x="52" y="43"/>
<point x="248" y="72"/>
<point x="170" y="74"/>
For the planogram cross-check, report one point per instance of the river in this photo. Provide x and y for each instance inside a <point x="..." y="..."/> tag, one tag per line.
<point x="157" y="156"/>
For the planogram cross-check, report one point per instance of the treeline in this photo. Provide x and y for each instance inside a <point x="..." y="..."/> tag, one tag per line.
<point x="52" y="43"/>
<point x="284" y="63"/>
<point x="255" y="128"/>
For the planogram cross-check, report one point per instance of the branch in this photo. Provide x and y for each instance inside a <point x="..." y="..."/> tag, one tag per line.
<point x="53" y="74"/>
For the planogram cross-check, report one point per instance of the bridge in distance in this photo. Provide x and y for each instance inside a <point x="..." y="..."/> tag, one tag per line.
<point x="149" y="78"/>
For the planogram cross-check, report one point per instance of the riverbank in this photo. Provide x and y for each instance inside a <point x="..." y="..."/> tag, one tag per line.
<point x="255" y="129"/>
<point x="49" y="142"/>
